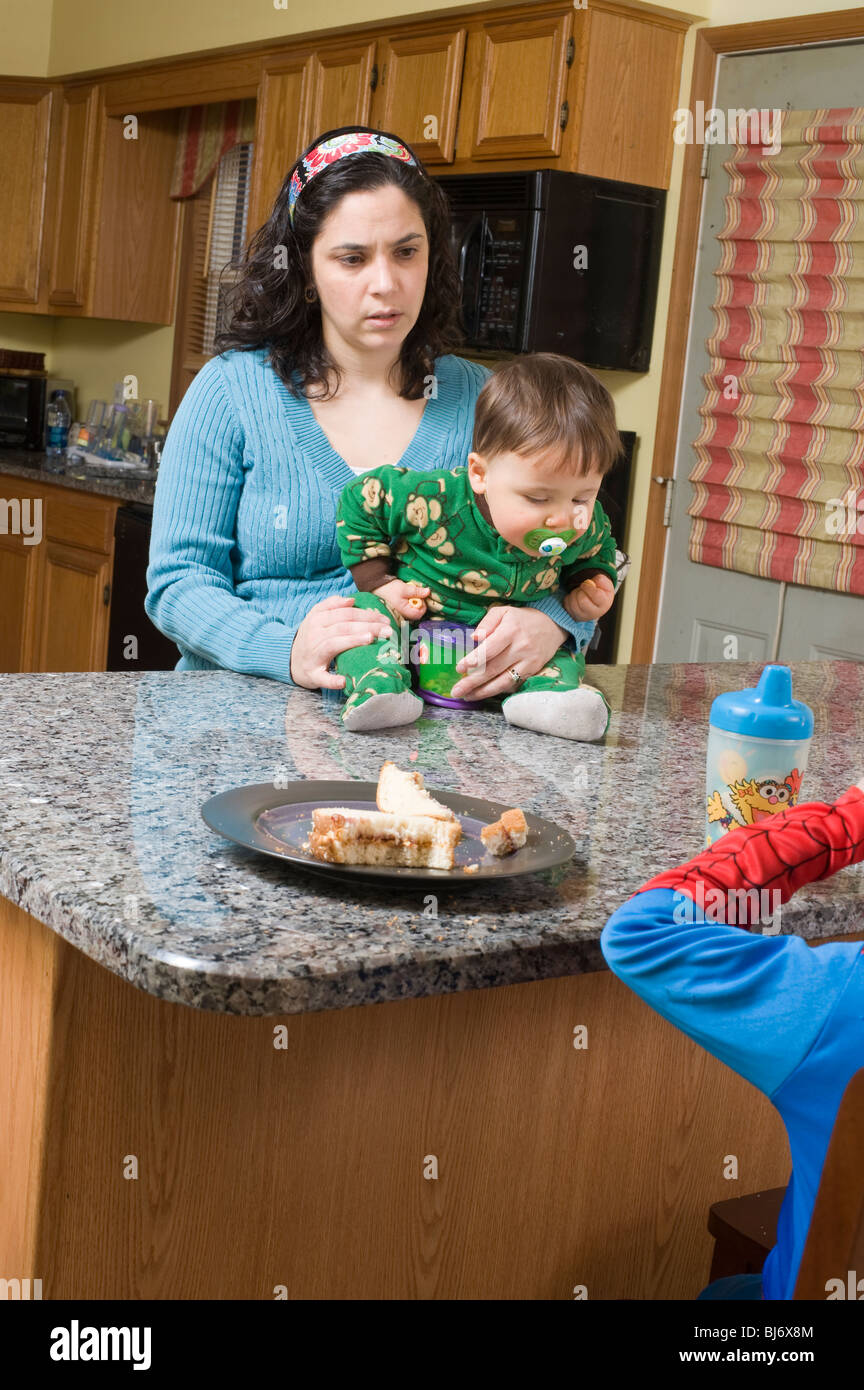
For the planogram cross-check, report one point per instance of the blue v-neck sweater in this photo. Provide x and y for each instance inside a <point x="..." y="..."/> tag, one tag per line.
<point x="244" y="518"/>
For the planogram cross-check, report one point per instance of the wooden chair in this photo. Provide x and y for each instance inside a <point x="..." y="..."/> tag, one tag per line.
<point x="745" y="1228"/>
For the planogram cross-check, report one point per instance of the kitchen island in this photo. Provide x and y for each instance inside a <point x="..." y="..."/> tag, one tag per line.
<point x="202" y="1101"/>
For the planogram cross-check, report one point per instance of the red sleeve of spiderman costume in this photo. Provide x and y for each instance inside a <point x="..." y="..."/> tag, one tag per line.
<point x="794" y="847"/>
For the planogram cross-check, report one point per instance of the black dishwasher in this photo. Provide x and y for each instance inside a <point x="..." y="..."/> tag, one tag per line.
<point x="150" y="650"/>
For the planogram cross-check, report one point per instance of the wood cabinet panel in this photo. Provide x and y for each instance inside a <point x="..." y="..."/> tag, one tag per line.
<point x="79" y="519"/>
<point x="183" y="82"/>
<point x="54" y="615"/>
<point x="521" y="88"/>
<point x="22" y="517"/>
<point x="137" y="240"/>
<point x="25" y="126"/>
<point x="73" y="613"/>
<point x="625" y="131"/>
<point x="279" y="117"/>
<point x="18" y="578"/>
<point x="562" y="1167"/>
<point x="418" y="92"/>
<point x="73" y="217"/>
<point x="115" y="230"/>
<point x="338" y="90"/>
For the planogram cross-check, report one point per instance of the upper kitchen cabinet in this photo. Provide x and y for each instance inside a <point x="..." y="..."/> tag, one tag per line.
<point x="514" y="93"/>
<point x="25" y="138"/>
<point x="417" y="95"/>
<point x="278" y="122"/>
<point x="301" y="94"/>
<point x="338" y="89"/>
<point x="78" y="138"/>
<point x="104" y="182"/>
<point x="567" y="88"/>
<point x="116" y="212"/>
<point x="627" y="93"/>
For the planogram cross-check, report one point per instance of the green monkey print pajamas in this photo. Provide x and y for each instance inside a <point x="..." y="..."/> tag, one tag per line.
<point x="427" y="528"/>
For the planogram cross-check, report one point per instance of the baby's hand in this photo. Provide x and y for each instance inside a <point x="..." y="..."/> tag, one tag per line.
<point x="591" y="600"/>
<point x="405" y="599"/>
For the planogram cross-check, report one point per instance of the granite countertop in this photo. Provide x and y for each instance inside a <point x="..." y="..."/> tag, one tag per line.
<point x="78" y="475"/>
<point x="103" y="777"/>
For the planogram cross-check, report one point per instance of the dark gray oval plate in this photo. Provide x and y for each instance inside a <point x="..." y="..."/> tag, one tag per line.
<point x="276" y="821"/>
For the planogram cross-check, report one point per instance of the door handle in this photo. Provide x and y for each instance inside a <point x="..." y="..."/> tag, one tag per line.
<point x="470" y="292"/>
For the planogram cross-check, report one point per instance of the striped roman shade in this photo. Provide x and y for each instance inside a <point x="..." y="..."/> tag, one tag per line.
<point x="778" y="486"/>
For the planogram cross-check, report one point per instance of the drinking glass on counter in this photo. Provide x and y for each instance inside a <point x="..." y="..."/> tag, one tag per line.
<point x="116" y="432"/>
<point x="90" y="431"/>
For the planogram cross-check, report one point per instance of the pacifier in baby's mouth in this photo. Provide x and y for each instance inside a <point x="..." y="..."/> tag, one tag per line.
<point x="548" y="542"/>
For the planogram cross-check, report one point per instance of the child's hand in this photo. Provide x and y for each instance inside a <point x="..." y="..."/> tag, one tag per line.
<point x="591" y="600"/>
<point x="405" y="599"/>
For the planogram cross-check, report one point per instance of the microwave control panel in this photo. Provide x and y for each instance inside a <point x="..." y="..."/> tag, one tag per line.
<point x="492" y="248"/>
<point x="501" y="282"/>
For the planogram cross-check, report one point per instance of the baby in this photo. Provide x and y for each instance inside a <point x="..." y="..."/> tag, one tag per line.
<point x="521" y="521"/>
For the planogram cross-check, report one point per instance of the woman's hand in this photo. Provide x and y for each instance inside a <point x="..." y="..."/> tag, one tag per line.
<point x="591" y="599"/>
<point x="507" y="637"/>
<point x="331" y="627"/>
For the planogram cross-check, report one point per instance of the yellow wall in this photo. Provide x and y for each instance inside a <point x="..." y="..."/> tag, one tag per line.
<point x="45" y="39"/>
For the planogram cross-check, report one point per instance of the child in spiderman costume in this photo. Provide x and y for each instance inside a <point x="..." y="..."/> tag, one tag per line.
<point x="786" y="1016"/>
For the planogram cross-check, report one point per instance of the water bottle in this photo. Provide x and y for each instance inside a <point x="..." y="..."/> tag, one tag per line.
<point x="58" y="420"/>
<point x="758" y="745"/>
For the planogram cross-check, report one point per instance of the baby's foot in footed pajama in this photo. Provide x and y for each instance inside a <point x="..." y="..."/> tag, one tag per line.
<point x="367" y="710"/>
<point x="581" y="714"/>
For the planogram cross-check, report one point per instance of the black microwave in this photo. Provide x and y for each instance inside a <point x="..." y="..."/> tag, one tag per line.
<point x="552" y="261"/>
<point x="22" y="409"/>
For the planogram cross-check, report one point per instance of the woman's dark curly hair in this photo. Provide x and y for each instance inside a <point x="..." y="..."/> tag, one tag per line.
<point x="267" y="307"/>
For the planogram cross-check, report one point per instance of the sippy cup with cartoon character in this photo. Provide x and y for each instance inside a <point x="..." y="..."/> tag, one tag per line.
<point x="758" y="744"/>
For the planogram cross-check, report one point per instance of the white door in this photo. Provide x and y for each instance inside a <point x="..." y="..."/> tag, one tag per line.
<point x="701" y="606"/>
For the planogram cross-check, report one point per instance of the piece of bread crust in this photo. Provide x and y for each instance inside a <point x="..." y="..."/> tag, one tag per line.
<point x="506" y="835"/>
<point x="343" y="836"/>
<point x="403" y="793"/>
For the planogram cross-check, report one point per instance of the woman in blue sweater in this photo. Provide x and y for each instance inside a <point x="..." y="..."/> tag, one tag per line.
<point x="337" y="358"/>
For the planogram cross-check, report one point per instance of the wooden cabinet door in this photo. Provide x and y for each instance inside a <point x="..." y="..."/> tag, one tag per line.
<point x="19" y="571"/>
<point x="515" y="86"/>
<point x="74" y="594"/>
<point x="417" y="96"/>
<point x="138" y="224"/>
<point x="278" y="122"/>
<point x="25" y="129"/>
<point x="338" y="90"/>
<point x="299" y="97"/>
<point x="629" y="96"/>
<point x="73" y="213"/>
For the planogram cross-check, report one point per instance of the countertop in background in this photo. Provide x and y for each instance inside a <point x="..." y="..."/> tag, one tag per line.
<point x="21" y="463"/>
<point x="101" y="836"/>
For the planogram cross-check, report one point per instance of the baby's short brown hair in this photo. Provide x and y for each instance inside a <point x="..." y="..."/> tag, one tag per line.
<point x="544" y="401"/>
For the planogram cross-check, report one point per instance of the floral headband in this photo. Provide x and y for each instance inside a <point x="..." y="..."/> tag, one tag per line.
<point x="337" y="147"/>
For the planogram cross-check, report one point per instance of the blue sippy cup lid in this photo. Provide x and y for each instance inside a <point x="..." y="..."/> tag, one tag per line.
<point x="768" y="711"/>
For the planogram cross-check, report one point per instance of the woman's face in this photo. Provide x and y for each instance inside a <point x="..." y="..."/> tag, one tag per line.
<point x="370" y="258"/>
